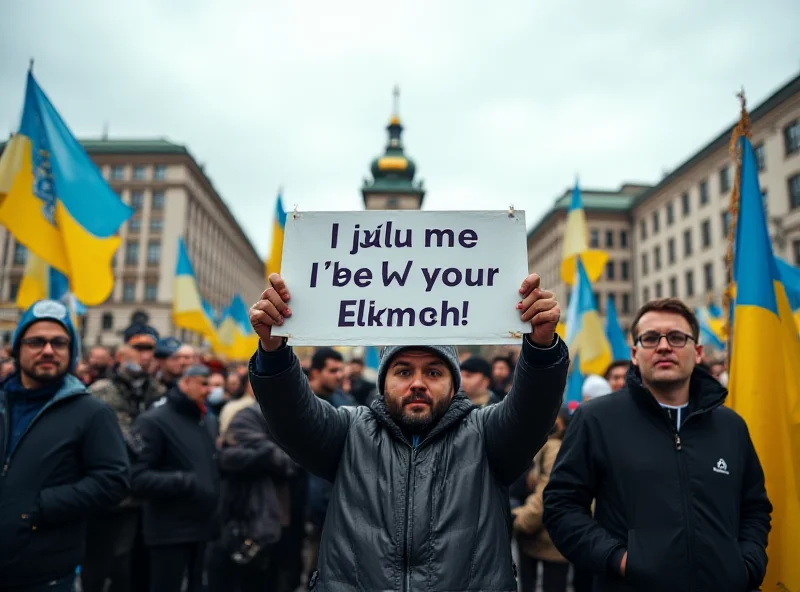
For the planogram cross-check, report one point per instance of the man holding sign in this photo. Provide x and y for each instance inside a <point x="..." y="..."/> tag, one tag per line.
<point x="420" y="498"/>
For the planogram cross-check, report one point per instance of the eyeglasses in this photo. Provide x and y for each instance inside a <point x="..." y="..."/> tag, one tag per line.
<point x="143" y="347"/>
<point x="651" y="339"/>
<point x="38" y="343"/>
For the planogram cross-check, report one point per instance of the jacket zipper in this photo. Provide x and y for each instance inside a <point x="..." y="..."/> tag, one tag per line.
<point x="409" y="508"/>
<point x="685" y="500"/>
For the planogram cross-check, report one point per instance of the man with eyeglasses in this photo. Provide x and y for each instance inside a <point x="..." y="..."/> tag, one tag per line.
<point x="62" y="452"/>
<point x="679" y="489"/>
<point x="175" y="471"/>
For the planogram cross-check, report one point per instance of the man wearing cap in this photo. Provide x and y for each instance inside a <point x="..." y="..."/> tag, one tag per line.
<point x="175" y="471"/>
<point x="476" y="377"/>
<point x="420" y="495"/>
<point x="173" y="358"/>
<point x="62" y="451"/>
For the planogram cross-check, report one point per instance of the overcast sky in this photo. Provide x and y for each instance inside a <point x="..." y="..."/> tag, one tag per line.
<point x="503" y="101"/>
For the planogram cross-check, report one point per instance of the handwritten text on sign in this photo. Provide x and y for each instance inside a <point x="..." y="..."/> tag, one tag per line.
<point x="404" y="277"/>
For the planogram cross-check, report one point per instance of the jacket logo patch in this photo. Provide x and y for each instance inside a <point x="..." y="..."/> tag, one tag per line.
<point x="721" y="467"/>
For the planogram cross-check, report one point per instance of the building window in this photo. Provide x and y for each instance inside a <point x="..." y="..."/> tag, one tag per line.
<point x="703" y="193"/>
<point x="725" y="179"/>
<point x="135" y="224"/>
<point x="671" y="251"/>
<point x="20" y="254"/>
<point x="708" y="276"/>
<point x="137" y="200"/>
<point x="655" y="222"/>
<point x="670" y="214"/>
<point x="726" y="223"/>
<point x="138" y="173"/>
<point x="13" y="289"/>
<point x="645" y="295"/>
<point x="153" y="252"/>
<point x="157" y="202"/>
<point x="705" y="231"/>
<point x="657" y="258"/>
<point x="131" y="252"/>
<point x="160" y="172"/>
<point x="594" y="238"/>
<point x="624" y="270"/>
<point x="794" y="192"/>
<point x="626" y="303"/>
<point x="643" y="229"/>
<point x="687" y="242"/>
<point x="623" y="239"/>
<point x="658" y="290"/>
<point x="129" y="291"/>
<point x="612" y="299"/>
<point x="686" y="204"/>
<point x="761" y="163"/>
<point x="597" y="302"/>
<point x="673" y="287"/>
<point x="150" y="291"/>
<point x="156" y="224"/>
<point x="644" y="264"/>
<point x="791" y="137"/>
<point x="609" y="238"/>
<point x="107" y="321"/>
<point x="689" y="283"/>
<point x="796" y="249"/>
<point x="117" y="172"/>
<point x="610" y="270"/>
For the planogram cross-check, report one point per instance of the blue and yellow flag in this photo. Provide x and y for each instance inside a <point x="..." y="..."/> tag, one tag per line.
<point x="237" y="339"/>
<point x="188" y="308"/>
<point x="586" y="337"/>
<point x="764" y="375"/>
<point x="620" y="350"/>
<point x="40" y="281"/>
<point x="576" y="244"/>
<point x="712" y="329"/>
<point x="273" y="263"/>
<point x="54" y="200"/>
<point x="790" y="278"/>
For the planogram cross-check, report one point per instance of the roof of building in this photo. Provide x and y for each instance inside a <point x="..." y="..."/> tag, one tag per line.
<point x="781" y="95"/>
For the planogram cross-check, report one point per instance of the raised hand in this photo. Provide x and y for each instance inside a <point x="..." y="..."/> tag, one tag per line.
<point x="540" y="308"/>
<point x="271" y="309"/>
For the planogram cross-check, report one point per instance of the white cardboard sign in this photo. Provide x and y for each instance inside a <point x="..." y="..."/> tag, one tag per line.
<point x="404" y="277"/>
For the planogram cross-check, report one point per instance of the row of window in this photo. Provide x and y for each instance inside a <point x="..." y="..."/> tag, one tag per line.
<point x="594" y="239"/>
<point x="688" y="245"/>
<point x="139" y="172"/>
<point x="623" y="306"/>
<point x="132" y="252"/>
<point x="135" y="225"/>
<point x="689" y="287"/>
<point x="156" y="200"/>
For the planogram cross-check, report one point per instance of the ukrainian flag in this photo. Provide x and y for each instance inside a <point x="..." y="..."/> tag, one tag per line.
<point x="576" y="244"/>
<point x="40" y="281"/>
<point x="54" y="200"/>
<point x="585" y="333"/>
<point x="790" y="278"/>
<point x="245" y="340"/>
<point x="620" y="350"/>
<point x="188" y="309"/>
<point x="764" y="376"/>
<point x="273" y="263"/>
<point x="711" y="327"/>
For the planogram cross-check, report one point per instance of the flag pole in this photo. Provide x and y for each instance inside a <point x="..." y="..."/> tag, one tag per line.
<point x="741" y="130"/>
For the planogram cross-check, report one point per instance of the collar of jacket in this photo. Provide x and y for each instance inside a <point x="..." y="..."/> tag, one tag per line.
<point x="705" y="392"/>
<point x="71" y="386"/>
<point x="459" y="407"/>
<point x="183" y="404"/>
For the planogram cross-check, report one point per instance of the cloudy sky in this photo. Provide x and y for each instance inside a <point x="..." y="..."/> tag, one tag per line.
<point x="503" y="102"/>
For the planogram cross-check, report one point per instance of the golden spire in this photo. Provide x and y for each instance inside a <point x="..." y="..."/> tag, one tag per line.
<point x="395" y="119"/>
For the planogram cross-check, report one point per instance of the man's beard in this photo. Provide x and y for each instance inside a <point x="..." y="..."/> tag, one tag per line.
<point x="43" y="377"/>
<point x="416" y="424"/>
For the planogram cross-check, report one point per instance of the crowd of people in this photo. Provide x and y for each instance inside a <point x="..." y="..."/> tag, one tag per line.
<point x="150" y="467"/>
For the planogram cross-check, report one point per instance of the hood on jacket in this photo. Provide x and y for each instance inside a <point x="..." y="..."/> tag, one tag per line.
<point x="48" y="310"/>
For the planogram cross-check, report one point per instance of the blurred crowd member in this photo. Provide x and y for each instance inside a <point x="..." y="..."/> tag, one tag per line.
<point x="231" y="408"/>
<point x="63" y="453"/>
<point x="143" y="339"/>
<point x="83" y="373"/>
<point x="101" y="363"/>
<point x="255" y="507"/>
<point x="361" y="389"/>
<point x="234" y="385"/>
<point x="7" y="368"/>
<point x="717" y="369"/>
<point x="594" y="386"/>
<point x="173" y="359"/>
<point x="216" y="393"/>
<point x="175" y="471"/>
<point x="615" y="374"/>
<point x="679" y="489"/>
<point x="536" y="547"/>
<point x="502" y="375"/>
<point x="476" y="377"/>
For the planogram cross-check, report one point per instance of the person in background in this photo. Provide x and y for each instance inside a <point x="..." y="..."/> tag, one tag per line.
<point x="502" y="375"/>
<point x="143" y="339"/>
<point x="7" y="368"/>
<point x="678" y="485"/>
<point x="234" y="386"/>
<point x="83" y="373"/>
<point x="63" y="456"/>
<point x="361" y="389"/>
<point x="101" y="362"/>
<point x="476" y="376"/>
<point x="231" y="408"/>
<point x="615" y="374"/>
<point x="717" y="370"/>
<point x="173" y="359"/>
<point x="175" y="471"/>
<point x="536" y="547"/>
<point x="216" y="394"/>
<point x="594" y="386"/>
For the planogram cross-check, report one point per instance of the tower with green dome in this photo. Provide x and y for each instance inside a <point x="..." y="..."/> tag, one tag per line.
<point x="392" y="186"/>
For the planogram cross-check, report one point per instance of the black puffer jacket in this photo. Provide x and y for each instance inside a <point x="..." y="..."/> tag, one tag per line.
<point x="689" y="507"/>
<point x="434" y="516"/>
<point x="175" y="471"/>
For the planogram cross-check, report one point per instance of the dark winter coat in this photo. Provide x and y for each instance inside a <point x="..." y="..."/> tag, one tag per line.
<point x="69" y="463"/>
<point x="431" y="515"/>
<point x="688" y="506"/>
<point x="175" y="471"/>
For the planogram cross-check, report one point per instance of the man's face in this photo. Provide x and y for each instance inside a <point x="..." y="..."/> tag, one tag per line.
<point x="195" y="387"/>
<point x="233" y="383"/>
<point x="99" y="359"/>
<point x="144" y="353"/>
<point x="44" y="352"/>
<point x="330" y="377"/>
<point x="474" y="384"/>
<point x="500" y="372"/>
<point x="354" y="370"/>
<point x="717" y="368"/>
<point x="665" y="366"/>
<point x="418" y="389"/>
<point x="616" y="377"/>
